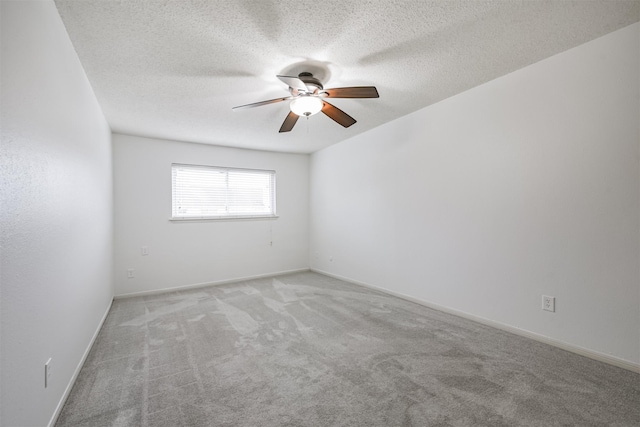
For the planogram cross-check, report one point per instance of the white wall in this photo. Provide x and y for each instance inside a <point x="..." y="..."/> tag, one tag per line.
<point x="482" y="203"/>
<point x="185" y="253"/>
<point x="56" y="212"/>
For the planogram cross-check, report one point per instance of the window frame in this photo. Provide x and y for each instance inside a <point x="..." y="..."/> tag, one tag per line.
<point x="228" y="217"/>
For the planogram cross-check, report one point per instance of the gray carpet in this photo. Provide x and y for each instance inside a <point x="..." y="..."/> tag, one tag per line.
<point x="308" y="350"/>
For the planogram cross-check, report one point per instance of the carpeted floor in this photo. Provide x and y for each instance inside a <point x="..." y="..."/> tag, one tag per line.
<point x="308" y="350"/>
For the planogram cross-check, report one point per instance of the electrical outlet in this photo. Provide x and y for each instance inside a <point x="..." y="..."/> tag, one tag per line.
<point x="548" y="303"/>
<point x="47" y="373"/>
<point x="130" y="272"/>
<point x="144" y="250"/>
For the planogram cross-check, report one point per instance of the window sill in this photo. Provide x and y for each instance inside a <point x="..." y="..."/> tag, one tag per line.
<point x="225" y="218"/>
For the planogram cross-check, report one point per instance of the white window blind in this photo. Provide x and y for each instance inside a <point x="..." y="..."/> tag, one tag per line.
<point x="201" y="192"/>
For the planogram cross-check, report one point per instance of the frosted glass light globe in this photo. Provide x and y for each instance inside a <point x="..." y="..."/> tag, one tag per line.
<point x="306" y="106"/>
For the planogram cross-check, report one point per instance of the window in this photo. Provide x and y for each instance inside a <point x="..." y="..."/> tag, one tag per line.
<point x="209" y="192"/>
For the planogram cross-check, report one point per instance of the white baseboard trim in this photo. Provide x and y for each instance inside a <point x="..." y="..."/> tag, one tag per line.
<point x="205" y="284"/>
<point x="72" y="381"/>
<point x="611" y="360"/>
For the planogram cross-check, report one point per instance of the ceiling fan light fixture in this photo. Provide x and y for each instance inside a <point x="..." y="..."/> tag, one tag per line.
<point x="307" y="99"/>
<point x="306" y="106"/>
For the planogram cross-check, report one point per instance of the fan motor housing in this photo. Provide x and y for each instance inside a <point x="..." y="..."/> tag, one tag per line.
<point x="309" y="80"/>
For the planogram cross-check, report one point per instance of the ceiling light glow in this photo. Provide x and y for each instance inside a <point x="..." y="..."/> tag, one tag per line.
<point x="306" y="106"/>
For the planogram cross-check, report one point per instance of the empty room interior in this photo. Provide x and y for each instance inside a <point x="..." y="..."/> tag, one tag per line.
<point x="337" y="213"/>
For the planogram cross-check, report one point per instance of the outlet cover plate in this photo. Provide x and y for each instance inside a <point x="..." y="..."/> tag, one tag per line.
<point x="548" y="303"/>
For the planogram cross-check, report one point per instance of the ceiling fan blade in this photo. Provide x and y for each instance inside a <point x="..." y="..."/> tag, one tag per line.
<point x="353" y="92"/>
<point x="289" y="122"/>
<point x="293" y="82"/>
<point x="337" y="114"/>
<point x="258" y="104"/>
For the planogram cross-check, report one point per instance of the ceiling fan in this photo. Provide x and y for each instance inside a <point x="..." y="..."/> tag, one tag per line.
<point x="307" y="99"/>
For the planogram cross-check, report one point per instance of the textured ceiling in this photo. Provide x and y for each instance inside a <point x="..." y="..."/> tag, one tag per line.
<point x="174" y="69"/>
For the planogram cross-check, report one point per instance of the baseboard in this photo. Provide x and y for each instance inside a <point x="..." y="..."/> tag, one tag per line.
<point x="205" y="284"/>
<point x="65" y="395"/>
<point x="611" y="360"/>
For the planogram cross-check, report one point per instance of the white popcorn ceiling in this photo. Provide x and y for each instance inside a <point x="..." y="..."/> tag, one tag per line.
<point x="174" y="69"/>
